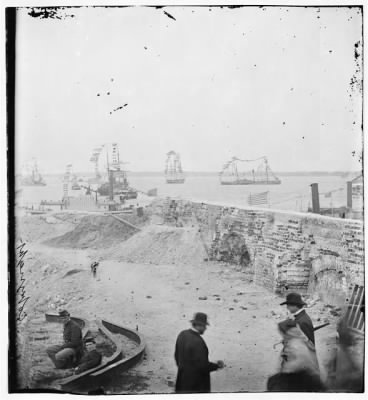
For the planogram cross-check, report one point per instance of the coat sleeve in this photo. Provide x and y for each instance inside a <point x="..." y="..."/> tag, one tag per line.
<point x="74" y="339"/>
<point x="176" y="354"/>
<point x="89" y="362"/>
<point x="200" y="354"/>
<point x="307" y="328"/>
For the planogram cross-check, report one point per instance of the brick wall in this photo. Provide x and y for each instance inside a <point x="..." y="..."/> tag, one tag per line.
<point x="283" y="251"/>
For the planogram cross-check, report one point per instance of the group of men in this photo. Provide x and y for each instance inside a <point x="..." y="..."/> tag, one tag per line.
<point x="298" y="367"/>
<point x="76" y="353"/>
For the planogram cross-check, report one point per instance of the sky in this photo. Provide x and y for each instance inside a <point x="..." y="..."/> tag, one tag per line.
<point x="212" y="83"/>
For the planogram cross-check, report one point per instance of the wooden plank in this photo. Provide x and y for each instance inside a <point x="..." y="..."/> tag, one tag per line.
<point x="360" y="324"/>
<point x="355" y="309"/>
<point x="351" y="304"/>
<point x="124" y="222"/>
<point x="358" y="309"/>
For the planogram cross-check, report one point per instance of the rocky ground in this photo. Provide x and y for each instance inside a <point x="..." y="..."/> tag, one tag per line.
<point x="154" y="280"/>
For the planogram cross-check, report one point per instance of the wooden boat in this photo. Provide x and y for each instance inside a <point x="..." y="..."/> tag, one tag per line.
<point x="116" y="363"/>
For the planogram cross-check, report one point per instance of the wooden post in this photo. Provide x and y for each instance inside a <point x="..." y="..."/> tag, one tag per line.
<point x="111" y="185"/>
<point x="315" y="198"/>
<point x="349" y="202"/>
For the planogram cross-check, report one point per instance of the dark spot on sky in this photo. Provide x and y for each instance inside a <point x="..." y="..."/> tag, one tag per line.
<point x="302" y="137"/>
<point x="354" y="123"/>
<point x="284" y="123"/>
<point x="318" y="17"/>
<point x="255" y="65"/>
<point x="112" y="79"/>
<point x="98" y="94"/>
<point x="330" y="51"/>
<point x="119" y="108"/>
<point x="49" y="12"/>
<point x="291" y="89"/>
<point x="108" y="93"/>
<point x="169" y="15"/>
<point x="145" y="48"/>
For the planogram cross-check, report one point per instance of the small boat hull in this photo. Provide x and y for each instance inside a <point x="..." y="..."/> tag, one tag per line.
<point x="175" y="181"/>
<point x="94" y="378"/>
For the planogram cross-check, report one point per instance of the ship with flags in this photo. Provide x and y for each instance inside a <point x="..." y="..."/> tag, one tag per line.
<point x="117" y="179"/>
<point x="31" y="175"/>
<point x="234" y="172"/>
<point x="173" y="169"/>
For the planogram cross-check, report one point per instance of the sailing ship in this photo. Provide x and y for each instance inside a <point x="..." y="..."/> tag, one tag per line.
<point x="173" y="171"/>
<point x="32" y="175"/>
<point x="261" y="175"/>
<point x="95" y="158"/>
<point x="117" y="177"/>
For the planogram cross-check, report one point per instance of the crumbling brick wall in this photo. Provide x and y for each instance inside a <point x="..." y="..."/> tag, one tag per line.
<point x="284" y="250"/>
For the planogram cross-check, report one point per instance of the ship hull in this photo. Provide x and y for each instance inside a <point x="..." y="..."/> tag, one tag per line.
<point x="175" y="181"/>
<point x="249" y="182"/>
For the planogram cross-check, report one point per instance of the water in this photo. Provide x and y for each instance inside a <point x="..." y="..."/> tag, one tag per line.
<point x="294" y="193"/>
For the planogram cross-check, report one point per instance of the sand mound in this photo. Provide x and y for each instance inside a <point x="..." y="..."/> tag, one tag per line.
<point x="97" y="231"/>
<point x="36" y="228"/>
<point x="161" y="245"/>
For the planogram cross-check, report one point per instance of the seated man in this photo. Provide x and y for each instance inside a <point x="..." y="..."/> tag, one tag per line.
<point x="66" y="354"/>
<point x="91" y="358"/>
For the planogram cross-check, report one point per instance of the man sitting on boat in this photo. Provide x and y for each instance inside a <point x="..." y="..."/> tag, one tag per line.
<point x="67" y="354"/>
<point x="91" y="358"/>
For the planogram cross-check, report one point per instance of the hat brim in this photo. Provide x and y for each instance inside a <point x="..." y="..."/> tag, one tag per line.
<point x="293" y="303"/>
<point x="199" y="322"/>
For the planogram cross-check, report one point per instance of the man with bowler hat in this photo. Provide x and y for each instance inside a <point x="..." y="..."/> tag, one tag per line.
<point x="295" y="305"/>
<point x="66" y="354"/>
<point x="191" y="356"/>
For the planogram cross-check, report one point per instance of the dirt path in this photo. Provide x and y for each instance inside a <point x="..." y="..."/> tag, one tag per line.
<point x="160" y="300"/>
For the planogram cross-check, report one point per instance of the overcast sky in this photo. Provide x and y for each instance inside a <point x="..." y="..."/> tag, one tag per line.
<point x="211" y="84"/>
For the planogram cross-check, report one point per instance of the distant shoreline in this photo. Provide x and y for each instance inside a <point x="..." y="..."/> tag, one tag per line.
<point x="199" y="173"/>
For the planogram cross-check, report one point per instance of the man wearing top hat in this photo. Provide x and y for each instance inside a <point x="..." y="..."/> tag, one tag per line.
<point x="191" y="356"/>
<point x="66" y="354"/>
<point x="295" y="305"/>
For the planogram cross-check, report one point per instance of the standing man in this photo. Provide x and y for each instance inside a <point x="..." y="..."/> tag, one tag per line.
<point x="295" y="305"/>
<point x="66" y="354"/>
<point x="191" y="356"/>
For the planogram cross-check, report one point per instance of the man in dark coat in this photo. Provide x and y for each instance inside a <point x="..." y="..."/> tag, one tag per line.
<point x="66" y="354"/>
<point x="295" y="305"/>
<point x="191" y="356"/>
<point x="91" y="358"/>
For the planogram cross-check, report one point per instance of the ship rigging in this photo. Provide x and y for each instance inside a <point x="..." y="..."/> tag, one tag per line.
<point x="258" y="175"/>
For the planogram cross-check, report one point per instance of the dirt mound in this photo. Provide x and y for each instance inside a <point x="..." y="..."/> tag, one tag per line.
<point x="161" y="245"/>
<point x="36" y="228"/>
<point x="97" y="231"/>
